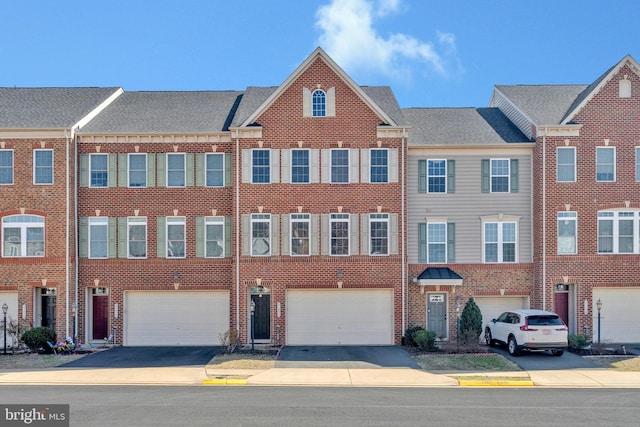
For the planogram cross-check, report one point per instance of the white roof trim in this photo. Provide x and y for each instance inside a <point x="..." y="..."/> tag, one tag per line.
<point x="318" y="52"/>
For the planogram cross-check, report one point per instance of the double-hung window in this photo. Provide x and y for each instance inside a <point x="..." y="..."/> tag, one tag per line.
<point x="6" y="167"/>
<point x="137" y="237"/>
<point x="339" y="236"/>
<point x="566" y="164"/>
<point x="260" y="234"/>
<point x="500" y="242"/>
<point x="23" y="236"/>
<point x="379" y="165"/>
<point x="500" y="175"/>
<point x="436" y="176"/>
<point x="619" y="232"/>
<point x="214" y="169"/>
<point x="176" y="170"/>
<point x="214" y="237"/>
<point x="43" y="166"/>
<point x="567" y="233"/>
<point x="98" y="237"/>
<point x="300" y="166"/>
<point x="176" y="240"/>
<point x="137" y="170"/>
<point x="340" y="166"/>
<point x="300" y="234"/>
<point x="260" y="170"/>
<point x="379" y="233"/>
<point x="99" y="170"/>
<point x="319" y="103"/>
<point x="605" y="164"/>
<point x="436" y="242"/>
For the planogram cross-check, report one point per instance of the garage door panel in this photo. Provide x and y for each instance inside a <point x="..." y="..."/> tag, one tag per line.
<point x="494" y="306"/>
<point x="176" y="318"/>
<point x="340" y="317"/>
<point x="11" y="299"/>
<point x="618" y="317"/>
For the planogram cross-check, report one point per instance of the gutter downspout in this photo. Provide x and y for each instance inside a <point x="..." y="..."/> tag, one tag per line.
<point x="76" y="234"/>
<point x="237" y="228"/>
<point x="66" y="231"/>
<point x="404" y="266"/>
<point x="544" y="219"/>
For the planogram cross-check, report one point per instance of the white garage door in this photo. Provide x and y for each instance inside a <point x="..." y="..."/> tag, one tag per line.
<point x="11" y="299"/>
<point x="175" y="318"/>
<point x="492" y="307"/>
<point x="619" y="314"/>
<point x="340" y="317"/>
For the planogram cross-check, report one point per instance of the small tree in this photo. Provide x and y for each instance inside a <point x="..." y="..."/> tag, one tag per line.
<point x="470" y="321"/>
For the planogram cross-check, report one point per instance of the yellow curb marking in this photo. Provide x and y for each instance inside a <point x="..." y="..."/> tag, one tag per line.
<point x="224" y="381"/>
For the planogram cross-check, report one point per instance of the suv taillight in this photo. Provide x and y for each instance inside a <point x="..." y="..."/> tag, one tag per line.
<point x="526" y="327"/>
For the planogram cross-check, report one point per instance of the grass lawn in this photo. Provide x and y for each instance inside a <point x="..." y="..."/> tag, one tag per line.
<point x="243" y="361"/>
<point x="27" y="361"/>
<point x="464" y="362"/>
<point x="619" y="363"/>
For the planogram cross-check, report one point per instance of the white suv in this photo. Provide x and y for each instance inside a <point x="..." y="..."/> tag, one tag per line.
<point x="528" y="330"/>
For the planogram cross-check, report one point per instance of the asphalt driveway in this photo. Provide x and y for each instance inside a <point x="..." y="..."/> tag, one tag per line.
<point x="544" y="361"/>
<point x="146" y="357"/>
<point x="345" y="357"/>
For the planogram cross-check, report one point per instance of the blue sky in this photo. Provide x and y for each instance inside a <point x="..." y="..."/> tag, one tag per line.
<point x="432" y="53"/>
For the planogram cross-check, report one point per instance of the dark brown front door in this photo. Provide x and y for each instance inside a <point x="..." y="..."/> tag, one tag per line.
<point x="561" y="306"/>
<point x="262" y="316"/>
<point x="49" y="311"/>
<point x="100" y="317"/>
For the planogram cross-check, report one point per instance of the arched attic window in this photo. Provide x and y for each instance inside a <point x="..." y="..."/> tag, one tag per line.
<point x="319" y="103"/>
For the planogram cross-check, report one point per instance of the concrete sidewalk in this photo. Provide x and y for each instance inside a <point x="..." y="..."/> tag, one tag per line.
<point x="384" y="377"/>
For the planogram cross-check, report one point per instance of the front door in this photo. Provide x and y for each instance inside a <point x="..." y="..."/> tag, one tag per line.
<point x="437" y="314"/>
<point x="48" y="311"/>
<point x="262" y="316"/>
<point x="100" y="317"/>
<point x="561" y="306"/>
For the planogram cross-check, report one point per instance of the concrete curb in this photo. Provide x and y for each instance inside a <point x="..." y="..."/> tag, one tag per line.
<point x="224" y="381"/>
<point x="494" y="383"/>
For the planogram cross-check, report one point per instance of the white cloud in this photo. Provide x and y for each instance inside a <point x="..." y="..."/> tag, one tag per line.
<point x="350" y="37"/>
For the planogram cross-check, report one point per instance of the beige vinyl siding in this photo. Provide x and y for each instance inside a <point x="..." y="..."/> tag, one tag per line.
<point x="465" y="207"/>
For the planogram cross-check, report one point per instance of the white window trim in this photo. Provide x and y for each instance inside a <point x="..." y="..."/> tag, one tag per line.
<point x="184" y="170"/>
<point x="324" y="97"/>
<point x="381" y="218"/>
<point x="567" y="216"/>
<point x="501" y="219"/>
<point x="253" y="181"/>
<point x="137" y="221"/>
<point x="437" y="221"/>
<point x="291" y="166"/>
<point x="13" y="166"/>
<point x="438" y="176"/>
<point x="371" y="166"/>
<point x="637" y="168"/>
<point x="37" y="150"/>
<point x="90" y="169"/>
<point x="575" y="172"/>
<point x="614" y="163"/>
<point x="344" y="218"/>
<point x="616" y="218"/>
<point x="348" y="166"/>
<point x="23" y="236"/>
<point x="266" y="219"/>
<point x="491" y="175"/>
<point x="171" y="220"/>
<point x="300" y="218"/>
<point x="146" y="169"/>
<point x="206" y="170"/>
<point x="98" y="221"/>
<point x="214" y="220"/>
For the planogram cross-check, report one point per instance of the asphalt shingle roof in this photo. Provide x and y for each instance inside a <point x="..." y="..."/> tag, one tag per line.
<point x="458" y="126"/>
<point x="167" y="112"/>
<point x="48" y="108"/>
<point x="385" y="99"/>
<point x="544" y="104"/>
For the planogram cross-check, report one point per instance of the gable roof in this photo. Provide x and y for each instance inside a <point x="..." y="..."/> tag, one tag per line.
<point x="167" y="112"/>
<point x="49" y="108"/>
<point x="320" y="54"/>
<point x="460" y="126"/>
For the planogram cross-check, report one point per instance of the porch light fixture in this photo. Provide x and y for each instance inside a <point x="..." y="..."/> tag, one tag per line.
<point x="599" y="306"/>
<point x="253" y="310"/>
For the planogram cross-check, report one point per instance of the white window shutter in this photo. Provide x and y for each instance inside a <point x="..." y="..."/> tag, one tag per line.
<point x="275" y="235"/>
<point x="246" y="234"/>
<point x="274" y="160"/>
<point x="286" y="167"/>
<point x="326" y="166"/>
<point x="314" y="166"/>
<point x="364" y="162"/>
<point x="354" y="233"/>
<point x="354" y="165"/>
<point x="364" y="234"/>
<point x="331" y="102"/>
<point x="314" y="235"/>
<point x="393" y="234"/>
<point x="393" y="165"/>
<point x="246" y="166"/>
<point x="286" y="238"/>
<point x="306" y="102"/>
<point x="325" y="234"/>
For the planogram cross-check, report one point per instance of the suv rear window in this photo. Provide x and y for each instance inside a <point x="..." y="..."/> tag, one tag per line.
<point x="544" y="320"/>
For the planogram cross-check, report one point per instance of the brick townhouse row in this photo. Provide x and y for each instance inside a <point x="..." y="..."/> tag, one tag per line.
<point x="317" y="211"/>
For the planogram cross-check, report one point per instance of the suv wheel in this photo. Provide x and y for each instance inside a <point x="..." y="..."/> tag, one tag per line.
<point x="557" y="353"/>
<point x="488" y="338"/>
<point x="512" y="346"/>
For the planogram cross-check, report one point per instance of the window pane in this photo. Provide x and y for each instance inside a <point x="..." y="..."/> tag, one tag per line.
<point x="214" y="240"/>
<point x="261" y="171"/>
<point x="215" y="170"/>
<point x="43" y="167"/>
<point x="137" y="170"/>
<point x="379" y="166"/>
<point x="566" y="165"/>
<point x="99" y="170"/>
<point x="379" y="235"/>
<point x="300" y="236"/>
<point x="340" y="166"/>
<point x="98" y="241"/>
<point x="500" y="176"/>
<point x="175" y="170"/>
<point x="605" y="236"/>
<point x="605" y="164"/>
<point x="437" y="242"/>
<point x="176" y="241"/>
<point x="319" y="104"/>
<point x="299" y="166"/>
<point x="625" y="238"/>
<point x="340" y="236"/>
<point x="437" y="172"/>
<point x="11" y="241"/>
<point x="137" y="240"/>
<point x="6" y="167"/>
<point x="566" y="234"/>
<point x="491" y="252"/>
<point x="261" y="235"/>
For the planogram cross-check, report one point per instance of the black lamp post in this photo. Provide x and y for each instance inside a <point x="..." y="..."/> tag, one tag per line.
<point x="253" y="310"/>
<point x="5" y="308"/>
<point x="599" y="305"/>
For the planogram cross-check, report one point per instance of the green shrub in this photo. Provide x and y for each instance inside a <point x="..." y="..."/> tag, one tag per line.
<point x="578" y="341"/>
<point x="470" y="321"/>
<point x="36" y="338"/>
<point x="426" y="340"/>
<point x="408" y="335"/>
